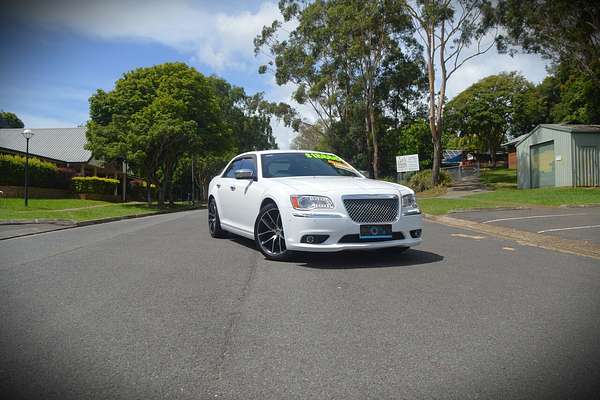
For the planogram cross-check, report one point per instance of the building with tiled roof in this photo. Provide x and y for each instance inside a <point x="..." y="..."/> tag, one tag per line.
<point x="64" y="147"/>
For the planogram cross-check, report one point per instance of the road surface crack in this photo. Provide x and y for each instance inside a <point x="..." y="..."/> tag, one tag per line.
<point x="235" y="316"/>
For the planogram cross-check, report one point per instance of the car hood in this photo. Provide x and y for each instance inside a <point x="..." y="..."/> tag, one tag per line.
<point x="339" y="184"/>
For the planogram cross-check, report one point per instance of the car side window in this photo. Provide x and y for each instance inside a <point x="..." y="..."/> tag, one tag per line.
<point x="230" y="173"/>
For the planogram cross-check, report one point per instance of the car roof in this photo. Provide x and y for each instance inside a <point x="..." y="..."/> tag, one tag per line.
<point x="281" y="151"/>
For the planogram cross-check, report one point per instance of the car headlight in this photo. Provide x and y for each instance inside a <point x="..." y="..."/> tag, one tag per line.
<point x="308" y="202"/>
<point x="409" y="205"/>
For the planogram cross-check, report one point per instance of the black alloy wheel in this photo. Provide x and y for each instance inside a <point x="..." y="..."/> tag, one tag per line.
<point x="269" y="234"/>
<point x="214" y="223"/>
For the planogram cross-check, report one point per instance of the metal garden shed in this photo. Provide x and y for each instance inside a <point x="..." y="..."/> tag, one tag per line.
<point x="559" y="155"/>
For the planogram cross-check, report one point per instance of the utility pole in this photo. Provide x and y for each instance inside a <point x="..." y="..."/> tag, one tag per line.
<point x="193" y="188"/>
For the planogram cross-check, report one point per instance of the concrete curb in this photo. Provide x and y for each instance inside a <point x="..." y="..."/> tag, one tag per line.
<point x="113" y="219"/>
<point x="68" y="224"/>
<point x="522" y="237"/>
<point x="479" y="209"/>
<point x="578" y="205"/>
<point x="37" y="221"/>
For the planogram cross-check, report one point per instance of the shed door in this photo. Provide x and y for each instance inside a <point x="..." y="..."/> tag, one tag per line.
<point x="542" y="165"/>
<point x="587" y="171"/>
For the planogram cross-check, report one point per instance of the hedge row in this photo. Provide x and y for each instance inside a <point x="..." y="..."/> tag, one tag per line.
<point x="94" y="184"/>
<point x="41" y="173"/>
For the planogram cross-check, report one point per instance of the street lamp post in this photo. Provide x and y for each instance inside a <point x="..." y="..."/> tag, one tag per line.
<point x="27" y="134"/>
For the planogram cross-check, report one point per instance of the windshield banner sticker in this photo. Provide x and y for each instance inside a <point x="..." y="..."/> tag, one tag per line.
<point x="323" y="156"/>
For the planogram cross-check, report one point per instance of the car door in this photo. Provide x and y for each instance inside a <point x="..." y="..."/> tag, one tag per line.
<point x="247" y="196"/>
<point x="226" y="187"/>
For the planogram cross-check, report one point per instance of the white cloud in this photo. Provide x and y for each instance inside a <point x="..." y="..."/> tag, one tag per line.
<point x="217" y="39"/>
<point x="530" y="66"/>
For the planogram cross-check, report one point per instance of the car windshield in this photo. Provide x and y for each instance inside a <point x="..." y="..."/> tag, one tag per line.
<point x="279" y="165"/>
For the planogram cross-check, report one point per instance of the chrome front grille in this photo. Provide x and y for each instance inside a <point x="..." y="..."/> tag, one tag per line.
<point x="372" y="209"/>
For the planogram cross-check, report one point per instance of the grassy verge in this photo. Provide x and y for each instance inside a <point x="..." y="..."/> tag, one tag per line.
<point x="71" y="209"/>
<point x="499" y="178"/>
<point x="550" y="197"/>
<point x="433" y="192"/>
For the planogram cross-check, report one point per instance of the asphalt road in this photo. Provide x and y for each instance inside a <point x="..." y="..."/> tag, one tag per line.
<point x="575" y="223"/>
<point x="8" y="231"/>
<point x="154" y="308"/>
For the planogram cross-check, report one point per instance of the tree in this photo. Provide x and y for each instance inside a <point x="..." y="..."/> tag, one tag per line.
<point x="311" y="137"/>
<point x="10" y="120"/>
<point x="492" y="109"/>
<point x="207" y="167"/>
<point x="453" y="32"/>
<point x="152" y="117"/>
<point x="570" y="96"/>
<point x="412" y="137"/>
<point x="248" y="117"/>
<point x="336" y="56"/>
<point x="560" y="30"/>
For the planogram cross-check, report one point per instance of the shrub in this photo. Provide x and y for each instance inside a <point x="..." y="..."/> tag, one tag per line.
<point x="94" y="184"/>
<point x="421" y="181"/>
<point x="64" y="177"/>
<point x="41" y="173"/>
<point x="137" y="190"/>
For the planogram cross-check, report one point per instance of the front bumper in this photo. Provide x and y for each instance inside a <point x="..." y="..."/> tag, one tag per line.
<point x="337" y="225"/>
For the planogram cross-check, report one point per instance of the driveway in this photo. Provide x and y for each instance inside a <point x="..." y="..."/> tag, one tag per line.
<point x="153" y="308"/>
<point x="577" y="223"/>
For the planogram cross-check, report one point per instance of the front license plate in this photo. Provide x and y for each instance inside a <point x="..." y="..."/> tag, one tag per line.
<point x="375" y="232"/>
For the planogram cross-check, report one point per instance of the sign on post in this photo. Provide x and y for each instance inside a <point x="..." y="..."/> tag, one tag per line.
<point x="407" y="163"/>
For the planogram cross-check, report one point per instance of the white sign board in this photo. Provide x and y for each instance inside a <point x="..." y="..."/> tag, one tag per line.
<point x="407" y="163"/>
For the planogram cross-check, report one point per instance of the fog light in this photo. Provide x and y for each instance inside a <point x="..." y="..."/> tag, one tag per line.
<point x="314" y="239"/>
<point x="415" y="234"/>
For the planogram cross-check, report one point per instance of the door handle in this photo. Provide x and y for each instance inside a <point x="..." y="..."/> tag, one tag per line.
<point x="218" y="186"/>
<point x="232" y="187"/>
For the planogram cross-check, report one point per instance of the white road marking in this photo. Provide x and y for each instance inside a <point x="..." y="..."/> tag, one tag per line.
<point x="508" y="248"/>
<point x="570" y="229"/>
<point x="467" y="236"/>
<point x="530" y="217"/>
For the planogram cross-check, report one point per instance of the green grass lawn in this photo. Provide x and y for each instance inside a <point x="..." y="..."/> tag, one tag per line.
<point x="499" y="178"/>
<point x="70" y="209"/>
<point x="504" y="197"/>
<point x="503" y="182"/>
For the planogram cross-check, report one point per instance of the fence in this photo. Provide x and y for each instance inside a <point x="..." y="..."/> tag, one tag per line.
<point x="462" y="171"/>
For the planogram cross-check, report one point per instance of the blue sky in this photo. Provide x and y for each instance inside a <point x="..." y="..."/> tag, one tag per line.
<point x="56" y="54"/>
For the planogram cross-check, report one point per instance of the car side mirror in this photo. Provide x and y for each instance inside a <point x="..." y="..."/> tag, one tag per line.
<point x="244" y="174"/>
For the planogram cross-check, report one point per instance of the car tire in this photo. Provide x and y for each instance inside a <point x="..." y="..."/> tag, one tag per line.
<point x="269" y="235"/>
<point x="214" y="223"/>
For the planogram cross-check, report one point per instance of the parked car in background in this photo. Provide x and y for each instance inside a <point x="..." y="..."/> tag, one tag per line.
<point x="290" y="200"/>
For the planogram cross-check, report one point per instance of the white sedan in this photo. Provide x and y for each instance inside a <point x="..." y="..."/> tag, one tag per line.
<point x="290" y="200"/>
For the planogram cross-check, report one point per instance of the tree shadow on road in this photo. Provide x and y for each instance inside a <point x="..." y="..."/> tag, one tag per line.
<point x="390" y="257"/>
